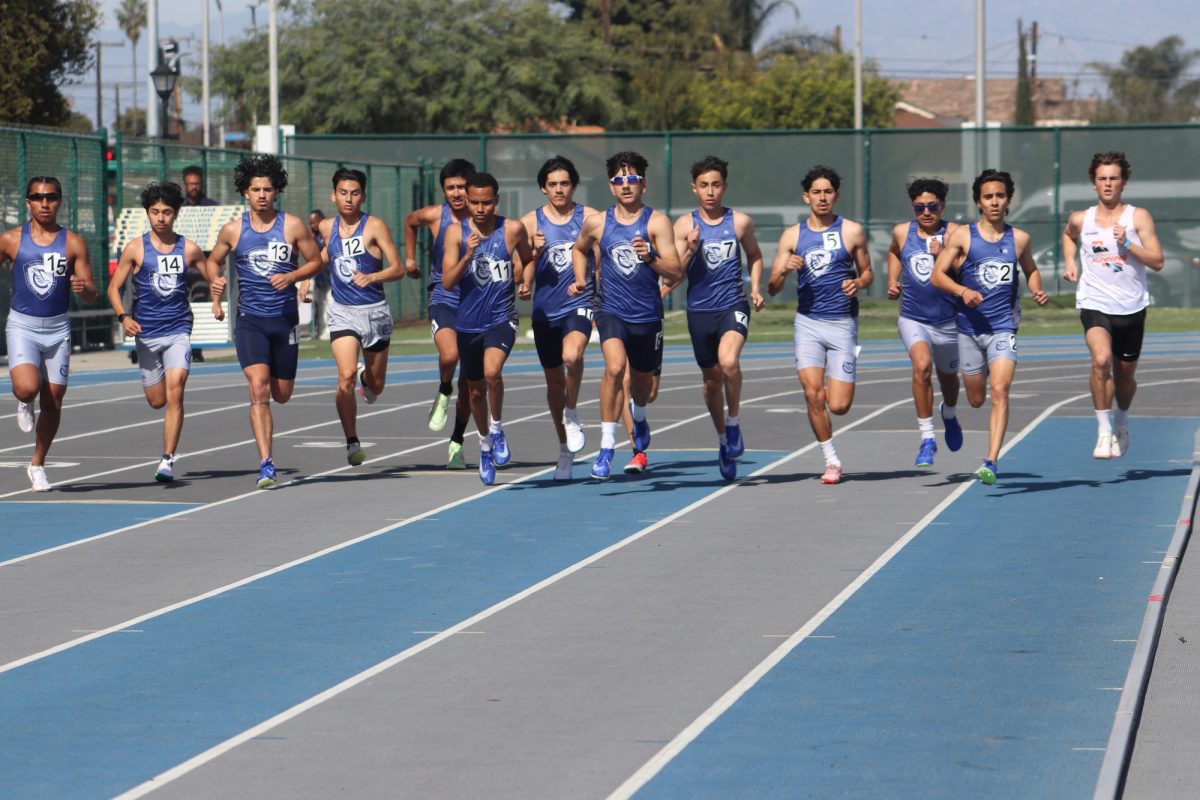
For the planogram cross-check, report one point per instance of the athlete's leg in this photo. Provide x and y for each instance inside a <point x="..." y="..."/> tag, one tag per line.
<point x="839" y="395"/>
<point x="729" y="358"/>
<point x="282" y="388"/>
<point x="812" y="379"/>
<point x="574" y="343"/>
<point x="446" y="341"/>
<point x="999" y="380"/>
<point x="375" y="375"/>
<point x="922" y="383"/>
<point x="172" y="386"/>
<point x="258" y="376"/>
<point x="614" y="377"/>
<point x="51" y="400"/>
<point x="948" y="381"/>
<point x="345" y="355"/>
<point x="1101" y="382"/>
<point x="493" y="367"/>
<point x="556" y="398"/>
<point x="1124" y="383"/>
<point x="477" y="394"/>
<point x="714" y="396"/>
<point x="976" y="386"/>
<point x="26" y="382"/>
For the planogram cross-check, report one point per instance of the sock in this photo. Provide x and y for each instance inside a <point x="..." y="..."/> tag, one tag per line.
<point x="460" y="428"/>
<point x="733" y="420"/>
<point x="639" y="413"/>
<point x="170" y="457"/>
<point x="926" y="427"/>
<point x="485" y="443"/>
<point x="446" y="388"/>
<point x="722" y="439"/>
<point x="571" y="414"/>
<point x="1121" y="417"/>
<point x="1105" y="420"/>
<point x="495" y="425"/>
<point x="830" y="453"/>
<point x="948" y="411"/>
<point x="608" y="435"/>
<point x="351" y="440"/>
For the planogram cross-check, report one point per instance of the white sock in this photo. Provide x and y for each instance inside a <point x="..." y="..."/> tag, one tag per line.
<point x="608" y="435"/>
<point x="926" y="427"/>
<point x="722" y="439"/>
<point x="948" y="411"/>
<point x="830" y="453"/>
<point x="639" y="413"/>
<point x="1121" y="418"/>
<point x="485" y="443"/>
<point x="734" y="420"/>
<point x="1105" y="420"/>
<point x="495" y="425"/>
<point x="571" y="414"/>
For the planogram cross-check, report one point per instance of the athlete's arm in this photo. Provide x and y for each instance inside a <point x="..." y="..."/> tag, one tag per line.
<point x="665" y="258"/>
<point x="425" y="217"/>
<point x="453" y="265"/>
<point x="131" y="254"/>
<point x="296" y="231"/>
<point x="743" y="226"/>
<point x="9" y="241"/>
<point x="893" y="260"/>
<point x="377" y="234"/>
<point x="1032" y="276"/>
<point x="687" y="239"/>
<point x="517" y="239"/>
<point x="589" y="235"/>
<point x="1150" y="251"/>
<point x="1070" y="246"/>
<point x="82" y="282"/>
<point x="855" y="239"/>
<point x="956" y="246"/>
<point x="786" y="260"/>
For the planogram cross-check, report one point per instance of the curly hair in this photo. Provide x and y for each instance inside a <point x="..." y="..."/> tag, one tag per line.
<point x="993" y="176"/>
<point x="167" y="193"/>
<point x="818" y="172"/>
<point x="259" y="166"/>
<point x="935" y="186"/>
<point x="1110" y="157"/>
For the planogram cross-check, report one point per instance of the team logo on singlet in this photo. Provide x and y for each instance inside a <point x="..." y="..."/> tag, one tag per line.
<point x="265" y="260"/>
<point x="921" y="266"/>
<point x="817" y="260"/>
<point x="993" y="272"/>
<point x="558" y="256"/>
<point x="344" y="267"/>
<point x="624" y="258"/>
<point x="487" y="268"/>
<point x="717" y="253"/>
<point x="167" y="274"/>
<point x="40" y="276"/>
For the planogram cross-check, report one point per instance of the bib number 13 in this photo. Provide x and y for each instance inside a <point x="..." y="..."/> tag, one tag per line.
<point x="279" y="252"/>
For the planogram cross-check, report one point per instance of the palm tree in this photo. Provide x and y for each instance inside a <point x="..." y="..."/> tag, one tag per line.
<point x="131" y="18"/>
<point x="750" y="16"/>
<point x="1151" y="84"/>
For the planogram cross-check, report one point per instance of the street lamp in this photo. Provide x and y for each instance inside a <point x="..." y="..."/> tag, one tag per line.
<point x="164" y="83"/>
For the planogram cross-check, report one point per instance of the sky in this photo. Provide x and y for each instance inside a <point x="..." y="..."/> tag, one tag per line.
<point x="928" y="38"/>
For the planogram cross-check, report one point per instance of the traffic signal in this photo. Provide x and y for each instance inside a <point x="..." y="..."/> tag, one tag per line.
<point x="111" y="161"/>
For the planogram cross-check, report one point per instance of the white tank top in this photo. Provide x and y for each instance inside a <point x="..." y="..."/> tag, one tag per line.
<point x="1108" y="281"/>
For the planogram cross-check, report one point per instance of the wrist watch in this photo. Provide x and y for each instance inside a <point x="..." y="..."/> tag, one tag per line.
<point x="121" y="317"/>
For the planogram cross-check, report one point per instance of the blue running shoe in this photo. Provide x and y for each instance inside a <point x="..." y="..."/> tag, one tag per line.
<point x="925" y="454"/>
<point x="733" y="438"/>
<point x="500" y="453"/>
<point x="726" y="463"/>
<point x="487" y="470"/>
<point x="602" y="466"/>
<point x="987" y="472"/>
<point x="954" y="434"/>
<point x="641" y="435"/>
<point x="266" y="474"/>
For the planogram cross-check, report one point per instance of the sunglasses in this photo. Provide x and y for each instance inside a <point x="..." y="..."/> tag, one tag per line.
<point x="51" y="196"/>
<point x="921" y="208"/>
<point x="621" y="180"/>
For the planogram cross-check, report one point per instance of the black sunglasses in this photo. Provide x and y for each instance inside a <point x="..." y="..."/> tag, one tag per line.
<point x="36" y="196"/>
<point x="921" y="208"/>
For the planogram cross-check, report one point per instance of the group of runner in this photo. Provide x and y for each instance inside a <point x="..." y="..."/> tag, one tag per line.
<point x="958" y="285"/>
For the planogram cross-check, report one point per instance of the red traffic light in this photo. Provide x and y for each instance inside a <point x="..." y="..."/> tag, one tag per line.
<point x="110" y="154"/>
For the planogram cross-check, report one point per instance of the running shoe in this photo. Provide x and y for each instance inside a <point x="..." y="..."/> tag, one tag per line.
<point x="355" y="455"/>
<point x="986" y="472"/>
<point x="487" y="470"/>
<point x="641" y="434"/>
<point x="37" y="478"/>
<point x="368" y="396"/>
<point x="576" y="441"/>
<point x="832" y="474"/>
<point x="455" y="457"/>
<point x="500" y="451"/>
<point x="266" y="474"/>
<point x="726" y="463"/>
<point x="637" y="465"/>
<point x="1104" y="446"/>
<point x="1120" y="442"/>
<point x="439" y="412"/>
<point x="953" y="434"/>
<point x="166" y="469"/>
<point x="562" y="472"/>
<point x="733" y="441"/>
<point x="602" y="466"/>
<point x="925" y="454"/>
<point x="24" y="416"/>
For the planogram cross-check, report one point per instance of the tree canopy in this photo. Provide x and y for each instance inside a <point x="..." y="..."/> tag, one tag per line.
<point x="46" y="43"/>
<point x="1150" y="84"/>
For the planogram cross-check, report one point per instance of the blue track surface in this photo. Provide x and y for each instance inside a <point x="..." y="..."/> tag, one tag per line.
<point x="982" y="656"/>
<point x="30" y="527"/>
<point x="104" y="716"/>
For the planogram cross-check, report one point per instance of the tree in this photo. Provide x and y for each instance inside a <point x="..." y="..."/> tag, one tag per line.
<point x="1151" y="84"/>
<point x="47" y="43"/>
<point x="1024" y="111"/>
<point x="748" y="18"/>
<point x="131" y="18"/>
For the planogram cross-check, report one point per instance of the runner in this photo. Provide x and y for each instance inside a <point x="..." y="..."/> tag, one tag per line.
<point x="636" y="247"/>
<point x="927" y="316"/>
<point x="711" y="241"/>
<point x="160" y="317"/>
<point x="829" y="256"/>
<point x="989" y="292"/>
<point x="267" y="332"/>
<point x="358" y="316"/>
<point x="48" y="263"/>
<point x="486" y="256"/>
<point x="1119" y="244"/>
<point x="561" y="324"/>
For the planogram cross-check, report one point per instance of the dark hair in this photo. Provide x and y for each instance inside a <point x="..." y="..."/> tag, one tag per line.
<point x="990" y="176"/>
<point x="168" y="193"/>
<point x="318" y="212"/>
<point x="344" y="174"/>
<point x="934" y="186"/>
<point x="483" y="180"/>
<point x="1111" y="157"/>
<point x="710" y="164"/>
<point x="554" y="165"/>
<point x="628" y="160"/>
<point x="259" y="166"/>
<point x="456" y="168"/>
<point x="820" y="171"/>
<point x="43" y="179"/>
<point x="193" y="170"/>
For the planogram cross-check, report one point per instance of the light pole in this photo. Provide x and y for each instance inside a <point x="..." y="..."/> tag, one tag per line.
<point x="164" y="84"/>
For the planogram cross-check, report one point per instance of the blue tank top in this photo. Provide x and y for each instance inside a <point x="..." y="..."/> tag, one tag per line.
<point x="628" y="287"/>
<point x="555" y="268"/>
<point x="827" y="263"/>
<point x="919" y="300"/>
<point x="40" y="284"/>
<point x="489" y="296"/>
<point x="160" y="292"/>
<point x="438" y="294"/>
<point x="991" y="269"/>
<point x="350" y="255"/>
<point x="715" y="271"/>
<point x="259" y="255"/>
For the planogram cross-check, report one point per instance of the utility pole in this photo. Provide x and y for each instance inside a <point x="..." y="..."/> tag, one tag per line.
<point x="206" y="122"/>
<point x="858" y="66"/>
<point x="1033" y="86"/>
<point x="980" y="68"/>
<point x="273" y="66"/>
<point x="153" y="57"/>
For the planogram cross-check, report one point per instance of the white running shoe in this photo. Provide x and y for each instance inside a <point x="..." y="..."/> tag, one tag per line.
<point x="37" y="478"/>
<point x="368" y="396"/>
<point x="563" y="471"/>
<point x="576" y="440"/>
<point x="1120" y="443"/>
<point x="166" y="470"/>
<point x="1104" y="446"/>
<point x="24" y="416"/>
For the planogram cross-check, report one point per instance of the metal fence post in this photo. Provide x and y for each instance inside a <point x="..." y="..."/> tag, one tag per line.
<point x="73" y="178"/>
<point x="1057" y="213"/>
<point x="22" y="177"/>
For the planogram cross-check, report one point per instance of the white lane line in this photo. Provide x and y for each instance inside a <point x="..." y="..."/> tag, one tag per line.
<point x="689" y="734"/>
<point x="180" y="770"/>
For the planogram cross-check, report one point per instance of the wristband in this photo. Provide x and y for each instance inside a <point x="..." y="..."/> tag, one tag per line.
<point x="121" y="317"/>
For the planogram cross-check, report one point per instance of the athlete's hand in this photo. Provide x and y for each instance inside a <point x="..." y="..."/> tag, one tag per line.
<point x="412" y="270"/>
<point x="217" y="288"/>
<point x="279" y="281"/>
<point x="935" y="245"/>
<point x="664" y="290"/>
<point x="575" y="289"/>
<point x="1121" y="236"/>
<point x="795" y="263"/>
<point x="78" y="284"/>
<point x="524" y="292"/>
<point x="1040" y="297"/>
<point x="642" y="248"/>
<point x="473" y="241"/>
<point x="971" y="298"/>
<point x="130" y="326"/>
<point x="218" y="311"/>
<point x="361" y="280"/>
<point x="893" y="290"/>
<point x="850" y="287"/>
<point x="539" y="243"/>
<point x="693" y="241"/>
<point x="756" y="299"/>
<point x="1070" y="273"/>
<point x="304" y="289"/>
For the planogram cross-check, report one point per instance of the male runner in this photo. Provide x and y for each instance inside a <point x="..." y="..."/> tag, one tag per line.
<point x="443" y="302"/>
<point x="989" y="292"/>
<point x="486" y="256"/>
<point x="710" y="241"/>
<point x="561" y="324"/>
<point x="160" y="317"/>
<point x="927" y="316"/>
<point x="829" y="256"/>
<point x="267" y="333"/>
<point x="48" y="263"/>
<point x="1116" y="243"/>
<point x="636" y="247"/>
<point x="358" y="316"/>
